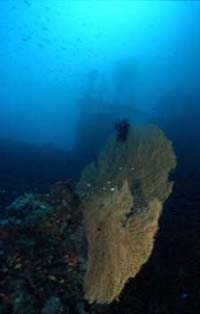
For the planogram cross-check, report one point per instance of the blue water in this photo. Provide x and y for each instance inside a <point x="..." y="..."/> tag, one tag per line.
<point x="54" y="53"/>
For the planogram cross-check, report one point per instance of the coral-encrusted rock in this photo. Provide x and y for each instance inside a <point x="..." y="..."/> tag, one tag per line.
<point x="42" y="252"/>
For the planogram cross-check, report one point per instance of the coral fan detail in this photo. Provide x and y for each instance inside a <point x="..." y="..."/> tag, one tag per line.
<point x="121" y="224"/>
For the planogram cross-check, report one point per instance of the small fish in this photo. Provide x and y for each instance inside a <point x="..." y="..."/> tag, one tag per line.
<point x="26" y="38"/>
<point x="40" y="45"/>
<point x="44" y="28"/>
<point x="27" y="3"/>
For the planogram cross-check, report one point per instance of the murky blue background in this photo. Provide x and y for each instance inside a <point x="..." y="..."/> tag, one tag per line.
<point x="49" y="48"/>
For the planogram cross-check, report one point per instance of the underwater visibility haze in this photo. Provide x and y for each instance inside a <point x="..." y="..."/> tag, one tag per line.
<point x="99" y="157"/>
<point x="50" y="48"/>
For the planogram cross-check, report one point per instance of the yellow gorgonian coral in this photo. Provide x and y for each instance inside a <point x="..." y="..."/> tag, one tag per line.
<point x="123" y="198"/>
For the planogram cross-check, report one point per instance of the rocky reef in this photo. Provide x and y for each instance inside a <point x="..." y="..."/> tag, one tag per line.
<point x="41" y="253"/>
